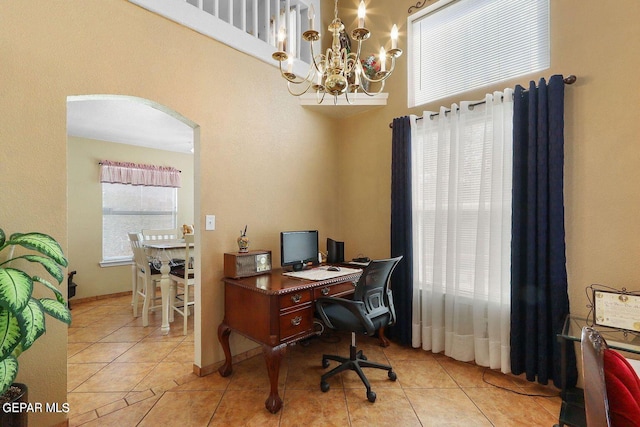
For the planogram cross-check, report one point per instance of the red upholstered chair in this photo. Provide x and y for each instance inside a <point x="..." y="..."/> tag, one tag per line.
<point x="611" y="385"/>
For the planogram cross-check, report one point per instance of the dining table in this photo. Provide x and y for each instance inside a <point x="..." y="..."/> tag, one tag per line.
<point x="162" y="253"/>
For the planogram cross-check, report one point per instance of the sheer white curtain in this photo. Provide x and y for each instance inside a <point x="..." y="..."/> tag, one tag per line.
<point x="461" y="189"/>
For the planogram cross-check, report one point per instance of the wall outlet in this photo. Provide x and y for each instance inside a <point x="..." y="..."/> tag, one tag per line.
<point x="210" y="222"/>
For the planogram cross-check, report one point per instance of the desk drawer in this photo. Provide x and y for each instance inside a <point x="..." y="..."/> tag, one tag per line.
<point x="292" y="299"/>
<point x="295" y="323"/>
<point x="340" y="290"/>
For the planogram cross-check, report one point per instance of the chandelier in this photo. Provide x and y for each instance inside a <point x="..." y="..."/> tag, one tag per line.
<point x="339" y="71"/>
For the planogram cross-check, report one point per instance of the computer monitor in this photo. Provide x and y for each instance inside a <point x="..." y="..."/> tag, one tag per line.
<point x="298" y="248"/>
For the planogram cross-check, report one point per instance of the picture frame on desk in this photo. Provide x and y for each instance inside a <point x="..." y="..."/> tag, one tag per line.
<point x="617" y="309"/>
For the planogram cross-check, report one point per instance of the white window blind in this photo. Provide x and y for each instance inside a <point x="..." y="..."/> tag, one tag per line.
<point x="131" y="208"/>
<point x="458" y="45"/>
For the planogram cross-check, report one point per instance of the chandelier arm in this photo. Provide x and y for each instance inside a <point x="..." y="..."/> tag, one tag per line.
<point x="298" y="93"/>
<point x="393" y="66"/>
<point x="308" y="79"/>
<point x="319" y="98"/>
<point x="313" y="57"/>
<point x="379" y="91"/>
<point x="384" y="77"/>
<point x="359" y="49"/>
<point x="346" y="95"/>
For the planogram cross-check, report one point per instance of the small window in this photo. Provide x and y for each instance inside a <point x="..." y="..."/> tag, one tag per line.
<point x="131" y="208"/>
<point x="459" y="45"/>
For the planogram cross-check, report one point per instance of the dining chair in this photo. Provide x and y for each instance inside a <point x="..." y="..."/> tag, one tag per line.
<point x="159" y="235"/>
<point x="184" y="277"/>
<point x="145" y="279"/>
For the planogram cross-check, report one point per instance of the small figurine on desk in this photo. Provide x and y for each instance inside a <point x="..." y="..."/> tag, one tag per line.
<point x="243" y="241"/>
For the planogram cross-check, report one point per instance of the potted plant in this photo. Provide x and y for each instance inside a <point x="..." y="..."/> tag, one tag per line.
<point x="22" y="317"/>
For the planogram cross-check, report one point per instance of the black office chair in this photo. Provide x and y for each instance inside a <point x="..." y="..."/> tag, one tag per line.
<point x="370" y="309"/>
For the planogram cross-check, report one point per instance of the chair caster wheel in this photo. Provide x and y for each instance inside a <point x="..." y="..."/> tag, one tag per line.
<point x="392" y="376"/>
<point x="324" y="386"/>
<point x="325" y="363"/>
<point x="371" y="396"/>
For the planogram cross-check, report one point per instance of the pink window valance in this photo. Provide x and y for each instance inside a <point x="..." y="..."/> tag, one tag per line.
<point x="139" y="174"/>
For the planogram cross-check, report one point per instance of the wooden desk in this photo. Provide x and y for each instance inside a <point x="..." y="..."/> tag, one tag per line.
<point x="274" y="310"/>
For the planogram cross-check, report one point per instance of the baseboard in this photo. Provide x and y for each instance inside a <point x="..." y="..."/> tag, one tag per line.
<point x="209" y="369"/>
<point x="99" y="297"/>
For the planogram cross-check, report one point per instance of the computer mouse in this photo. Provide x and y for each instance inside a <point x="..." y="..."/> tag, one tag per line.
<point x="333" y="268"/>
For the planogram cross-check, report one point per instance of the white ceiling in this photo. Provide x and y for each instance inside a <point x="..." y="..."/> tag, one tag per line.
<point x="128" y="120"/>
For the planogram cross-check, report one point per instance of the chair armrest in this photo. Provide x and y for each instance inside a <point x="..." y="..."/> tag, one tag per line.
<point x="355" y="307"/>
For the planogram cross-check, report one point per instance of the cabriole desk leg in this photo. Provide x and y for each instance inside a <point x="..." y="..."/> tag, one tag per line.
<point x="223" y="336"/>
<point x="273" y="356"/>
<point x="384" y="341"/>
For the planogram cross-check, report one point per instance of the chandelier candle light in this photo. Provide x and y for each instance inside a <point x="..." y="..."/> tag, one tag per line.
<point x="338" y="71"/>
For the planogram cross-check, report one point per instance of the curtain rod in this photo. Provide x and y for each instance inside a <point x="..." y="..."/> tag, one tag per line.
<point x="569" y="80"/>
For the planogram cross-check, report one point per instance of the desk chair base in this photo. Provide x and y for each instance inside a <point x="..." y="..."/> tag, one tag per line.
<point x="355" y="362"/>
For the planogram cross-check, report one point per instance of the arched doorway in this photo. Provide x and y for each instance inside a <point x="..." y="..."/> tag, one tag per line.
<point x="114" y="127"/>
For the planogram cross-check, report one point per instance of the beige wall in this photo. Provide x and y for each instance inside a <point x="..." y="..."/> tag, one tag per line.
<point x="264" y="161"/>
<point x="261" y="159"/>
<point x="85" y="208"/>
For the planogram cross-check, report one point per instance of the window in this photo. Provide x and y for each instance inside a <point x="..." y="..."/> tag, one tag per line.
<point x="458" y="45"/>
<point x="461" y="174"/>
<point x="130" y="208"/>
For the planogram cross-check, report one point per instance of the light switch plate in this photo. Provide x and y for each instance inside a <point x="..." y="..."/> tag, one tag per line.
<point x="210" y="222"/>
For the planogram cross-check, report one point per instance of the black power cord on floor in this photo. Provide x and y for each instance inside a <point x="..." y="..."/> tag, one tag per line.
<point x="484" y="371"/>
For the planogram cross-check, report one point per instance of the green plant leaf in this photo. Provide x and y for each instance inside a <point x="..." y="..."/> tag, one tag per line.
<point x="42" y="243"/>
<point x="11" y="332"/>
<point x="8" y="373"/>
<point x="3" y="237"/>
<point x="15" y="289"/>
<point x="33" y="320"/>
<point x="53" y="289"/>
<point x="56" y="310"/>
<point x="51" y="266"/>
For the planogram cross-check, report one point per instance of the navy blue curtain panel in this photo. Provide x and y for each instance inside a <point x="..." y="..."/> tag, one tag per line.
<point x="539" y="298"/>
<point x="401" y="237"/>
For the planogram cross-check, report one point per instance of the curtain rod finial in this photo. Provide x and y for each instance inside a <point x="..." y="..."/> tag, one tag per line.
<point x="570" y="79"/>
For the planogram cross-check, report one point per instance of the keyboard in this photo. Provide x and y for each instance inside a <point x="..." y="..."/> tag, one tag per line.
<point x="321" y="273"/>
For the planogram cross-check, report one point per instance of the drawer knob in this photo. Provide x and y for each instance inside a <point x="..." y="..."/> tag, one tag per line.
<point x="325" y="291"/>
<point x="296" y="298"/>
<point x="296" y="320"/>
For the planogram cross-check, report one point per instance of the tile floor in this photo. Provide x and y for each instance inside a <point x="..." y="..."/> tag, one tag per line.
<point x="122" y="374"/>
